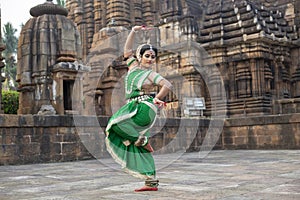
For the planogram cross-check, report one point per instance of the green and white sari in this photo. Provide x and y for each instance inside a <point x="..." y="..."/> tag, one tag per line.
<point x="129" y="122"/>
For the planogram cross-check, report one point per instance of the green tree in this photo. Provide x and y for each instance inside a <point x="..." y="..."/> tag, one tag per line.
<point x="10" y="101"/>
<point x="9" y="54"/>
<point x="61" y="3"/>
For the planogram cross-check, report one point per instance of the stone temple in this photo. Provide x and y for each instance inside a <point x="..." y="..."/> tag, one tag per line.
<point x="241" y="56"/>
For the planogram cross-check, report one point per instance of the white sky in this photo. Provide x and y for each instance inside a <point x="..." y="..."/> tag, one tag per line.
<point x="17" y="12"/>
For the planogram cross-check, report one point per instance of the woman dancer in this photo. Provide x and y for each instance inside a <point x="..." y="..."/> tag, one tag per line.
<point x="127" y="132"/>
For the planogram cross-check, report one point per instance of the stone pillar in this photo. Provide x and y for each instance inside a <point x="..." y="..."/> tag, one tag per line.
<point x="276" y="79"/>
<point x="256" y="79"/>
<point x="215" y="84"/>
<point x="295" y="90"/>
<point x="262" y="81"/>
<point x="243" y="78"/>
<point x="296" y="83"/>
<point x="284" y="80"/>
<point x="232" y="81"/>
<point x="268" y="78"/>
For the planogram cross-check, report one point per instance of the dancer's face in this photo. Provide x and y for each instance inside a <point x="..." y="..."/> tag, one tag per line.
<point x="148" y="58"/>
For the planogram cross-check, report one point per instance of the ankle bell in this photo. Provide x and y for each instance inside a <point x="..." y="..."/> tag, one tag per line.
<point x="151" y="183"/>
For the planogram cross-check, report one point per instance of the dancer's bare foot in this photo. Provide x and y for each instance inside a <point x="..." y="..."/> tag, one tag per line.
<point x="148" y="147"/>
<point x="146" y="188"/>
<point x="150" y="185"/>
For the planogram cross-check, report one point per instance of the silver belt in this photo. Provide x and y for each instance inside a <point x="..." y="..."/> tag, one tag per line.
<point x="139" y="98"/>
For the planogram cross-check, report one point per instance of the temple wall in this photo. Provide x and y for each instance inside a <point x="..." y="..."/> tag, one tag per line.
<point x="28" y="139"/>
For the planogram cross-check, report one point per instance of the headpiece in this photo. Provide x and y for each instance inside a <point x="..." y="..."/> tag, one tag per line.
<point x="138" y="51"/>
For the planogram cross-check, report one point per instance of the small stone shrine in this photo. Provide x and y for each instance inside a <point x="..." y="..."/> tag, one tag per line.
<point x="50" y="70"/>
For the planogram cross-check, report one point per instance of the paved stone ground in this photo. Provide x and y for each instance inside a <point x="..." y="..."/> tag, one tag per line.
<point x="226" y="175"/>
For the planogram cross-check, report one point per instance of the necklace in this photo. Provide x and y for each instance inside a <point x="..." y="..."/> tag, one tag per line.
<point x="129" y="90"/>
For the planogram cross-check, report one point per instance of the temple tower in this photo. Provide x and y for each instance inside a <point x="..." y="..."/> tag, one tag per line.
<point x="91" y="16"/>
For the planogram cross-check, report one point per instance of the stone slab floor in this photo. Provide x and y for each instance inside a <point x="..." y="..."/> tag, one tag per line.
<point x="225" y="175"/>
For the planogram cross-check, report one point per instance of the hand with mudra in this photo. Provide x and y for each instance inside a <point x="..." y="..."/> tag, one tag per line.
<point x="127" y="132"/>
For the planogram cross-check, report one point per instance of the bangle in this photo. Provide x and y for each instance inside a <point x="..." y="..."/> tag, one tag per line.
<point x="155" y="99"/>
<point x="134" y="30"/>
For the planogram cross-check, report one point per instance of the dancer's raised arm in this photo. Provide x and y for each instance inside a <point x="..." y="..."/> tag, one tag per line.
<point x="128" y="48"/>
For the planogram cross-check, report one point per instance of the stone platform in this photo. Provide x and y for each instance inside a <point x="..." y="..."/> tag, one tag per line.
<point x="225" y="175"/>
